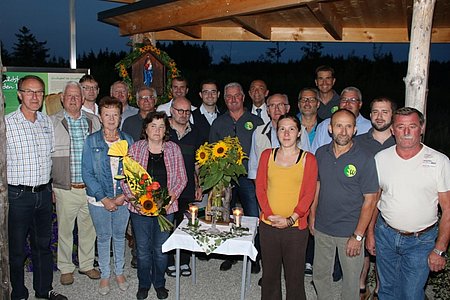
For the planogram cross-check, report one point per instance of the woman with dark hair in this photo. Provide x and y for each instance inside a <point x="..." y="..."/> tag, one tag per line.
<point x="285" y="186"/>
<point x="164" y="163"/>
<point x="106" y="200"/>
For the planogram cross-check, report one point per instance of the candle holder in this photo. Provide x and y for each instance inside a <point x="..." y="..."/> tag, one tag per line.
<point x="193" y="220"/>
<point x="238" y="212"/>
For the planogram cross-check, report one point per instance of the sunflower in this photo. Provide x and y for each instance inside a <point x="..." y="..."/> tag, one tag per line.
<point x="202" y="155"/>
<point x="220" y="149"/>
<point x="149" y="207"/>
<point x="240" y="156"/>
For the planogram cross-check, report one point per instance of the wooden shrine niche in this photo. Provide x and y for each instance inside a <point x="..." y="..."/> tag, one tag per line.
<point x="149" y="70"/>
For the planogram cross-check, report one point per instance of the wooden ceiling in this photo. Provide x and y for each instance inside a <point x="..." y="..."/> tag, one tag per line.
<point x="275" y="20"/>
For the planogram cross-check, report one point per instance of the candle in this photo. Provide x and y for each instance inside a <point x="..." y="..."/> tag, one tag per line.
<point x="193" y="209"/>
<point x="237" y="213"/>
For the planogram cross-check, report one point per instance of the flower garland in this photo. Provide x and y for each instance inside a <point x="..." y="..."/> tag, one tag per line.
<point x="140" y="49"/>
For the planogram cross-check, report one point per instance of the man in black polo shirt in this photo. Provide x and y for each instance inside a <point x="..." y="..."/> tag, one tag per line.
<point x="187" y="136"/>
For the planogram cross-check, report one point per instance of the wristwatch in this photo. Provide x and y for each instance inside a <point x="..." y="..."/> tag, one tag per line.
<point x="440" y="253"/>
<point x="357" y="237"/>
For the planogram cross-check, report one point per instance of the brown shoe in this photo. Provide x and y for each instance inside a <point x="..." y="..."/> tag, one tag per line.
<point x="66" y="279"/>
<point x="92" y="273"/>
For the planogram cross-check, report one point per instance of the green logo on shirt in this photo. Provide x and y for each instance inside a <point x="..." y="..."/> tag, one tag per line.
<point x="248" y="125"/>
<point x="350" y="170"/>
<point x="334" y="108"/>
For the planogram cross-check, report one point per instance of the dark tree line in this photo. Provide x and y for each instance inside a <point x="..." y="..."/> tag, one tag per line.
<point x="377" y="76"/>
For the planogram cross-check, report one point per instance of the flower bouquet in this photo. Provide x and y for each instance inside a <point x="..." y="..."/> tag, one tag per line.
<point x="150" y="199"/>
<point x="220" y="163"/>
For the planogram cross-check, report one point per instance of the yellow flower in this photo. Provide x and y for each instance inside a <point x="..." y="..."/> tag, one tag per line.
<point x="148" y="207"/>
<point x="202" y="155"/>
<point x="220" y="149"/>
<point x="240" y="156"/>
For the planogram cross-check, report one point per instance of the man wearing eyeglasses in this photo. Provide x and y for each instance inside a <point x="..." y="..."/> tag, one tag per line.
<point x="119" y="90"/>
<point x="146" y="99"/>
<point x="238" y="122"/>
<point x="29" y="143"/>
<point x="205" y="115"/>
<point x="308" y="104"/>
<point x="329" y="99"/>
<point x="179" y="88"/>
<point x="187" y="137"/>
<point x="90" y="92"/>
<point x="351" y="99"/>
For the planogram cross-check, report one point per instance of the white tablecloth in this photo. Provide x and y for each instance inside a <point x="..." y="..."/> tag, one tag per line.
<point x="235" y="246"/>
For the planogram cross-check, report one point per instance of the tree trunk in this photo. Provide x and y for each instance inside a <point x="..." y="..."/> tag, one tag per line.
<point x="416" y="79"/>
<point x="4" y="253"/>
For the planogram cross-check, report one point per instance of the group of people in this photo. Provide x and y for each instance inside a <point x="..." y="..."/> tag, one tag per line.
<point x="323" y="183"/>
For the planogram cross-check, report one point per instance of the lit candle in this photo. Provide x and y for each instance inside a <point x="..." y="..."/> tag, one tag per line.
<point x="193" y="209"/>
<point x="237" y="213"/>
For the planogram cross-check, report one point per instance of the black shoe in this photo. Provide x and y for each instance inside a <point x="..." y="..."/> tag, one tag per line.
<point x="162" y="293"/>
<point x="142" y="293"/>
<point x="260" y="282"/>
<point x="226" y="265"/>
<point x="134" y="262"/>
<point x="52" y="295"/>
<point x="256" y="268"/>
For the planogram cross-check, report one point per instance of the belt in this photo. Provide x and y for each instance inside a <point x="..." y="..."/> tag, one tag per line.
<point x="78" y="185"/>
<point x="408" y="233"/>
<point x="32" y="189"/>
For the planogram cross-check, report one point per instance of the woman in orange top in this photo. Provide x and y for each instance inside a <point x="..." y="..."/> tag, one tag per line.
<point x="285" y="187"/>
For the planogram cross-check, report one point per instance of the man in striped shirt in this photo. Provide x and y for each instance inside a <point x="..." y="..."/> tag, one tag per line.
<point x="29" y="143"/>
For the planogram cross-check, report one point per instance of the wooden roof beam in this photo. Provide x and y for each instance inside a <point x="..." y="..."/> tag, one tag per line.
<point x="173" y="13"/>
<point x="255" y="25"/>
<point x="194" y="31"/>
<point x="327" y="18"/>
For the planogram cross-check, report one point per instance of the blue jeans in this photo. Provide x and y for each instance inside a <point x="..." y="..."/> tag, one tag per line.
<point x="151" y="262"/>
<point x="30" y="212"/>
<point x="110" y="225"/>
<point x="402" y="262"/>
<point x="247" y="195"/>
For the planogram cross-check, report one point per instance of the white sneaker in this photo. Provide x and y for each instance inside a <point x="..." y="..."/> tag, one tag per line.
<point x="308" y="270"/>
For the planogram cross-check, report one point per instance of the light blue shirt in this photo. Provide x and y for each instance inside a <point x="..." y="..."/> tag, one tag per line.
<point x="255" y="153"/>
<point x="323" y="136"/>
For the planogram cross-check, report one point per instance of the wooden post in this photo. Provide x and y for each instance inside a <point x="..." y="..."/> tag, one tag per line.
<point x="4" y="253"/>
<point x="416" y="79"/>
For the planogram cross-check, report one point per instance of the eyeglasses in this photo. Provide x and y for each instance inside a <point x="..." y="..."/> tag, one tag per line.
<point x="350" y="100"/>
<point x="30" y="93"/>
<point x="303" y="100"/>
<point x="277" y="106"/>
<point x="90" y="88"/>
<point x="209" y="92"/>
<point x="182" y="111"/>
<point x="148" y="98"/>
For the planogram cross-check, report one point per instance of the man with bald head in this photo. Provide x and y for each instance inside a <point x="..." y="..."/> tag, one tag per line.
<point x="187" y="136"/>
<point x="343" y="206"/>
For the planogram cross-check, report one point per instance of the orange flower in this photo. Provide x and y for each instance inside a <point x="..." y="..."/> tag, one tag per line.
<point x="149" y="195"/>
<point x="155" y="185"/>
<point x="144" y="176"/>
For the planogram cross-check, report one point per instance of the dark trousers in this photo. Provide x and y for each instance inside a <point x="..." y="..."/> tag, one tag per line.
<point x="183" y="205"/>
<point x="283" y="248"/>
<point x="30" y="213"/>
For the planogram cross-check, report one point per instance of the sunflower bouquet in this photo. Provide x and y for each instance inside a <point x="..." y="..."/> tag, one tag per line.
<point x="150" y="199"/>
<point x="220" y="163"/>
